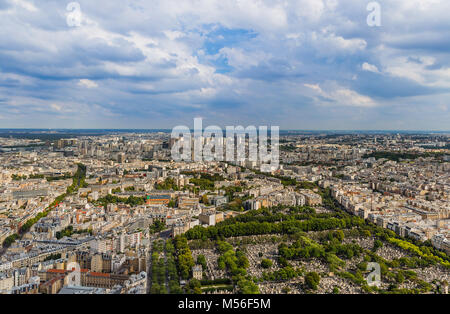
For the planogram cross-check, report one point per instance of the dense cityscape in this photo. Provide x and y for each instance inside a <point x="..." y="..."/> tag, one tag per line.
<point x="134" y="221"/>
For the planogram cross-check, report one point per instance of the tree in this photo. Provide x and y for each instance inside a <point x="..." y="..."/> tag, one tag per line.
<point x="377" y="244"/>
<point x="312" y="280"/>
<point x="201" y="260"/>
<point x="266" y="263"/>
<point x="155" y="289"/>
<point x="10" y="240"/>
<point x="194" y="287"/>
<point x="184" y="259"/>
<point x="171" y="203"/>
<point x="283" y="261"/>
<point x="205" y="200"/>
<point x="157" y="226"/>
<point x="246" y="286"/>
<point x="116" y="190"/>
<point x="400" y="277"/>
<point x="339" y="234"/>
<point x="242" y="261"/>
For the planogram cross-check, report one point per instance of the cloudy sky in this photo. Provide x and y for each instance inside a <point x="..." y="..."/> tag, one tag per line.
<point x="298" y="64"/>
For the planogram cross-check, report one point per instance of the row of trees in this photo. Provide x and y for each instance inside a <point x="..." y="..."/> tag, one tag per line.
<point x="164" y="270"/>
<point x="184" y="259"/>
<point x="65" y="176"/>
<point x="158" y="274"/>
<point x="261" y="216"/>
<point x="78" y="180"/>
<point x="17" y="177"/>
<point x="284" y="227"/>
<point x="174" y="283"/>
<point x="423" y="251"/>
<point x="25" y="227"/>
<point x="396" y="156"/>
<point x="10" y="240"/>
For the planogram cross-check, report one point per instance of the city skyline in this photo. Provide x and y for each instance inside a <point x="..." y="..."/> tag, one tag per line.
<point x="124" y="130"/>
<point x="300" y="65"/>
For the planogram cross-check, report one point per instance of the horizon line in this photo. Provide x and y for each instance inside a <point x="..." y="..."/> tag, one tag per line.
<point x="169" y="129"/>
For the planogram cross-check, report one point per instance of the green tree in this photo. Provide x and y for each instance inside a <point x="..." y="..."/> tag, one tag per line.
<point x="377" y="244"/>
<point x="246" y="286"/>
<point x="400" y="277"/>
<point x="312" y="280"/>
<point x="157" y="226"/>
<point x="201" y="260"/>
<point x="266" y="263"/>
<point x="205" y="200"/>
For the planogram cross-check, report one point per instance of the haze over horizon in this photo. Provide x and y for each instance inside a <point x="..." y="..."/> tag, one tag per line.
<point x="300" y="65"/>
<point x="192" y="129"/>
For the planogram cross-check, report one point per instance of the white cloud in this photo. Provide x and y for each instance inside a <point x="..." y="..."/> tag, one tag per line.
<point x="419" y="69"/>
<point x="87" y="83"/>
<point x="339" y="96"/>
<point x="26" y="5"/>
<point x="316" y="87"/>
<point x="238" y="58"/>
<point x="56" y="107"/>
<point x="369" y="67"/>
<point x="332" y="4"/>
<point x="331" y="45"/>
<point x="310" y="10"/>
<point x="347" y="97"/>
<point x="172" y="35"/>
